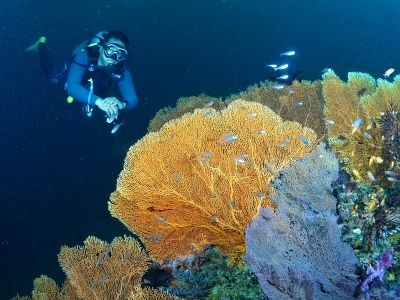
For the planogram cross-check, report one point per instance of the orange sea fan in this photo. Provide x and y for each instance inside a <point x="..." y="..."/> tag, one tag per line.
<point x="202" y="178"/>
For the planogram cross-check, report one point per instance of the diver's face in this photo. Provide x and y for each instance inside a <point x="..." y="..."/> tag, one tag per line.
<point x="110" y="60"/>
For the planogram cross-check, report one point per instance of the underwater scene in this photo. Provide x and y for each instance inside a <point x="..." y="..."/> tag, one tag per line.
<point x="261" y="160"/>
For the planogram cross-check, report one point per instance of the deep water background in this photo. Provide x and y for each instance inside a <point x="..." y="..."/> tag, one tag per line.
<point x="58" y="167"/>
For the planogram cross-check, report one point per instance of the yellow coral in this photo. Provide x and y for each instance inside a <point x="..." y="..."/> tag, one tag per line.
<point x="353" y="143"/>
<point x="343" y="104"/>
<point x="201" y="179"/>
<point x="386" y="92"/>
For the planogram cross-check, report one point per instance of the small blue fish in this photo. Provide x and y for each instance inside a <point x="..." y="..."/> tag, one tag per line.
<point x="206" y="153"/>
<point x="259" y="195"/>
<point x="288" y="53"/>
<point x="330" y="122"/>
<point x="278" y="87"/>
<point x="326" y="70"/>
<point x="282" y="67"/>
<point x="392" y="179"/>
<point x="116" y="127"/>
<point x="283" y="77"/>
<point x="391" y="173"/>
<point x="228" y="138"/>
<point x="161" y="219"/>
<point x="367" y="135"/>
<point x="304" y="139"/>
<point x="272" y="66"/>
<point x="261" y="131"/>
<point x="357" y="123"/>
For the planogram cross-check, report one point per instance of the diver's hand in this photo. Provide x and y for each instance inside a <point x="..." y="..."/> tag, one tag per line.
<point x="109" y="107"/>
<point x="114" y="101"/>
<point x="121" y="105"/>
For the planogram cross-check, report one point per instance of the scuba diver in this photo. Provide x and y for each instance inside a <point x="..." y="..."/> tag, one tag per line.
<point x="98" y="66"/>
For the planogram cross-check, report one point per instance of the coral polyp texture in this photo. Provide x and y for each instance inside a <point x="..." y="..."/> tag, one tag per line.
<point x="202" y="178"/>
<point x="351" y="113"/>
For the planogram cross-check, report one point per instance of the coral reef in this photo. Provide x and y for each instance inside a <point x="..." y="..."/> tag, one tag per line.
<point x="206" y="172"/>
<point x="295" y="250"/>
<point x="202" y="178"/>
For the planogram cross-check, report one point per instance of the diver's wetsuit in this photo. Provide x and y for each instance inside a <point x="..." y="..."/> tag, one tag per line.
<point x="101" y="80"/>
<point x="78" y="74"/>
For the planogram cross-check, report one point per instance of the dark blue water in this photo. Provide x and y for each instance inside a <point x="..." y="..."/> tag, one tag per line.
<point x="58" y="167"/>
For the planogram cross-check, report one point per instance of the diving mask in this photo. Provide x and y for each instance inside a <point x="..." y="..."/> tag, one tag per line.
<point x="115" y="52"/>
